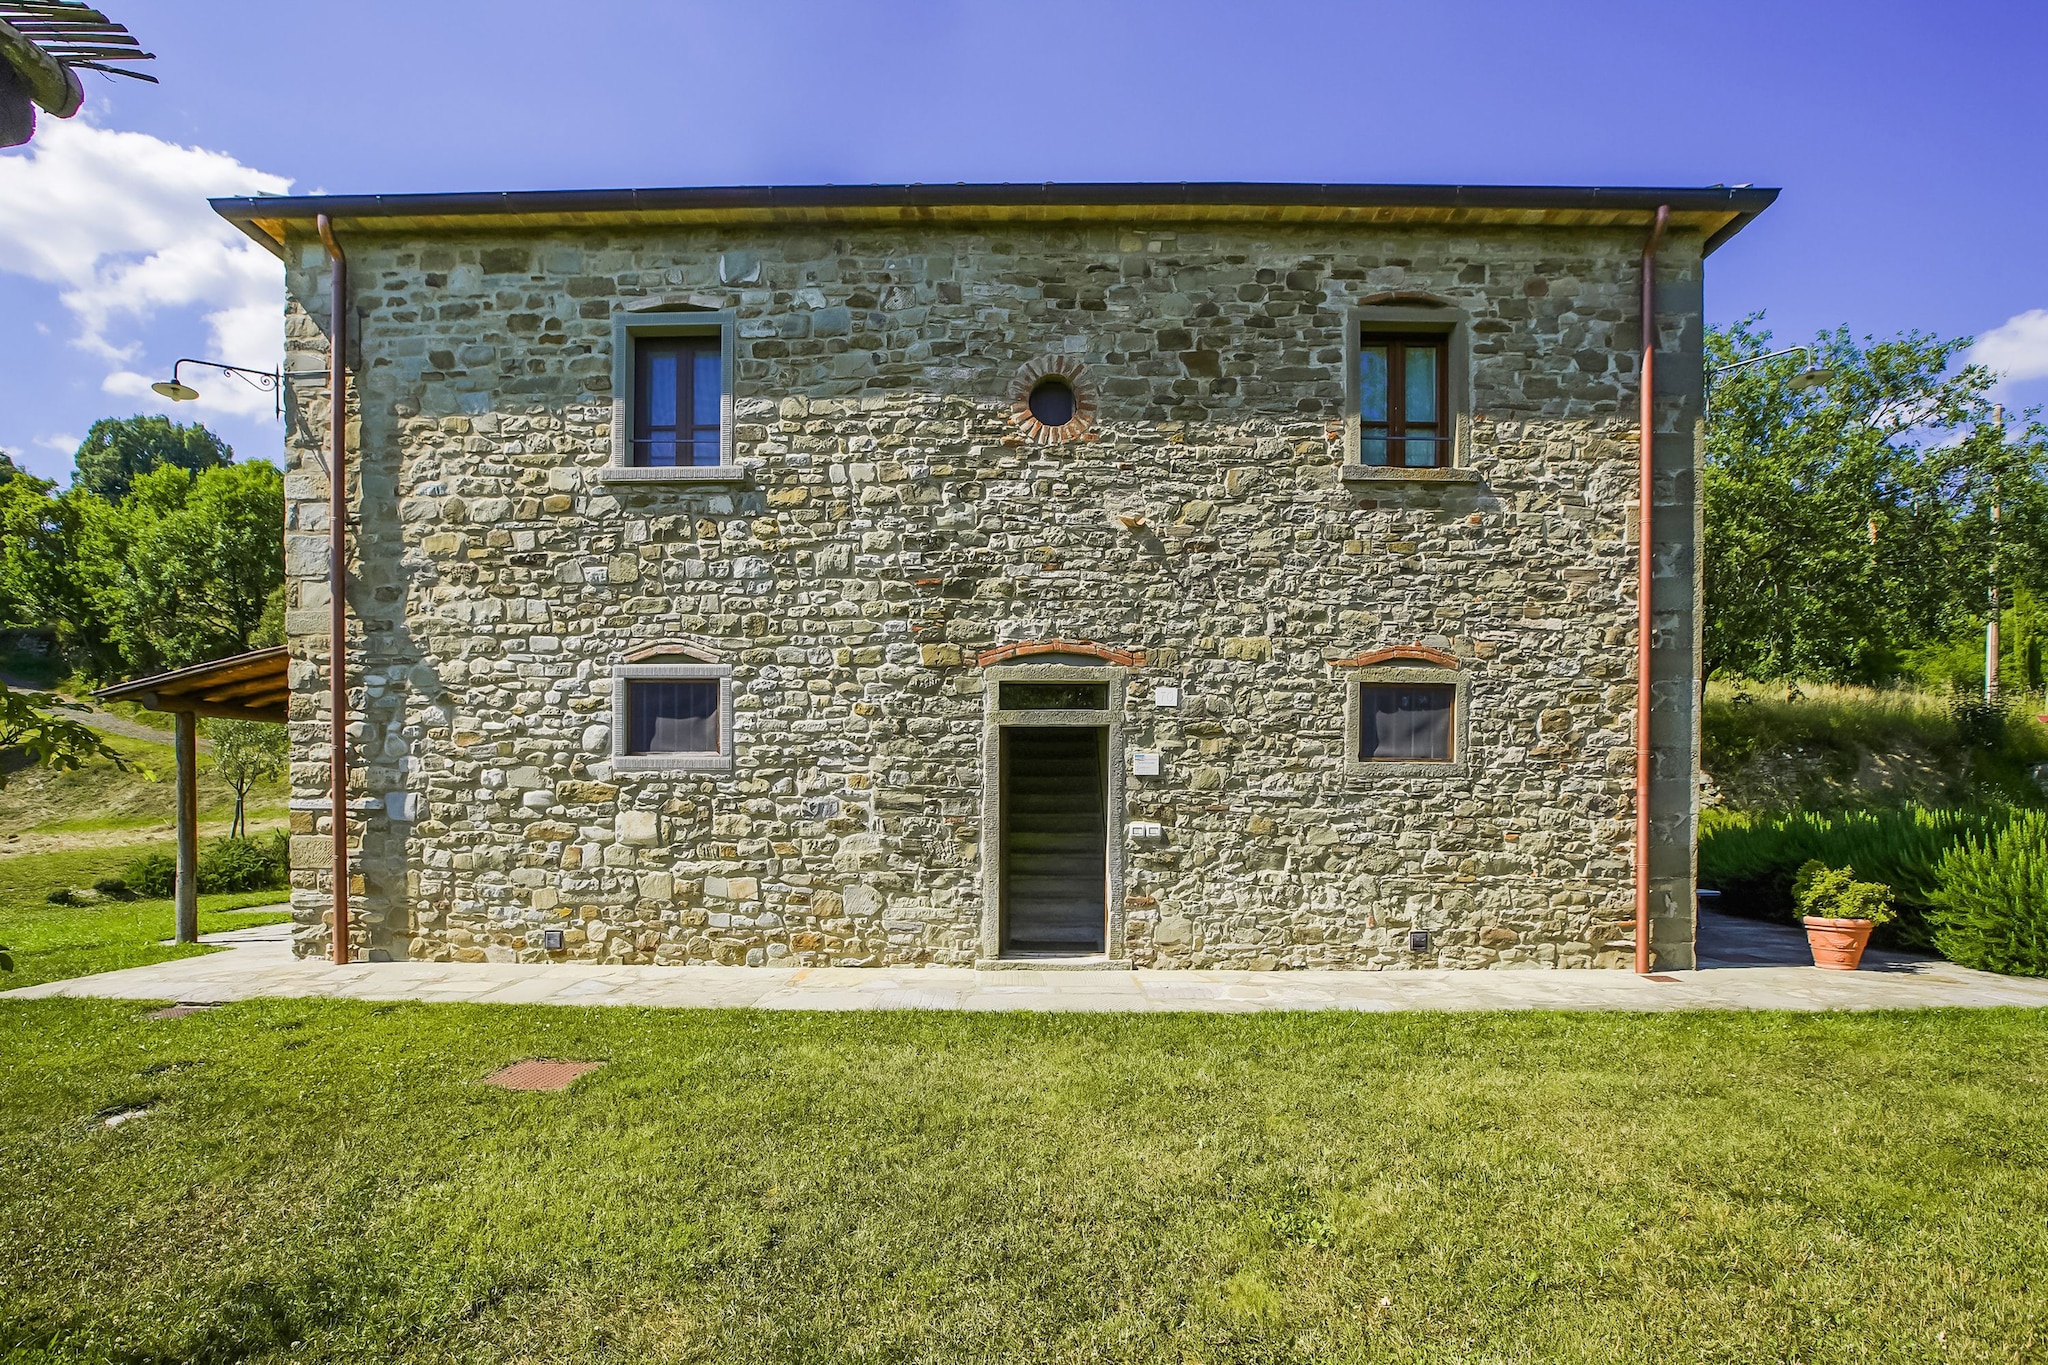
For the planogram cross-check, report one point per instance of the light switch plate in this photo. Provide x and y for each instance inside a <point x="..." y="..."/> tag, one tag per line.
<point x="1147" y="829"/>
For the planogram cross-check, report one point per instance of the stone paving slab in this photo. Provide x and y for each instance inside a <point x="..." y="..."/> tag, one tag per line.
<point x="257" y="963"/>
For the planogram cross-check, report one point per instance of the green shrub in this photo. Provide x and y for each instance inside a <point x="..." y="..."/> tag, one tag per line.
<point x="1823" y="892"/>
<point x="224" y="865"/>
<point x="1754" y="862"/>
<point x="237" y="864"/>
<point x="154" y="875"/>
<point x="1992" y="905"/>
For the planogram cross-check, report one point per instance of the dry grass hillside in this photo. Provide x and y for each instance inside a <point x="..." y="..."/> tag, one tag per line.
<point x="1767" y="747"/>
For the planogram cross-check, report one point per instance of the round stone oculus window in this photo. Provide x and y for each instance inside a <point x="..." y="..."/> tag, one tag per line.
<point x="1053" y="400"/>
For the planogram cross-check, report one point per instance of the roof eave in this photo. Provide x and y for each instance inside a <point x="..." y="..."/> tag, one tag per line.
<point x="1729" y="208"/>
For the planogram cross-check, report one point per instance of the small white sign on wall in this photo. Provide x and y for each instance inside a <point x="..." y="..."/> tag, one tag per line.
<point x="1166" y="696"/>
<point x="1145" y="763"/>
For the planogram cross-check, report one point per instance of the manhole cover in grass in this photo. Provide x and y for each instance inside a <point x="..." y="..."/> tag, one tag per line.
<point x="539" y="1074"/>
<point x="181" y="1009"/>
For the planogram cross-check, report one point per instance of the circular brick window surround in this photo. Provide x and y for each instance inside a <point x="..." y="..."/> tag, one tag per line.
<point x="1053" y="401"/>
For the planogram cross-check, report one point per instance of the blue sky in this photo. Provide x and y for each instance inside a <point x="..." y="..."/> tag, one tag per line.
<point x="1908" y="140"/>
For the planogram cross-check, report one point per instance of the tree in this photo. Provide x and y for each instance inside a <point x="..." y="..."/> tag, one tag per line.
<point x="205" y="554"/>
<point x="246" y="752"/>
<point x="29" y="722"/>
<point x="119" y="450"/>
<point x="1841" y="524"/>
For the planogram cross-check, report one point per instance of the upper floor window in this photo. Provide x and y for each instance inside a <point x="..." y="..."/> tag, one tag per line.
<point x="672" y="397"/>
<point x="1403" y="398"/>
<point x="679" y="391"/>
<point x="1408" y="391"/>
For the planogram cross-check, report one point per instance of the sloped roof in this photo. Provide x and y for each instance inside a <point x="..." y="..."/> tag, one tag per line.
<point x="252" y="686"/>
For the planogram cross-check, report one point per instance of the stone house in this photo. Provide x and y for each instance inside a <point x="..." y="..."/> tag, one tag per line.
<point x="1166" y="575"/>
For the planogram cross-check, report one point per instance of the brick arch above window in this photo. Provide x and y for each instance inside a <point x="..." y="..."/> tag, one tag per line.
<point x="1087" y="649"/>
<point x="1398" y="654"/>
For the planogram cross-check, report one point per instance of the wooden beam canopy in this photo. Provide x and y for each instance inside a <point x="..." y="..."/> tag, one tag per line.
<point x="252" y="686"/>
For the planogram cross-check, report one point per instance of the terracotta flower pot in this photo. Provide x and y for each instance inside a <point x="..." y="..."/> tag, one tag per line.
<point x="1837" y="944"/>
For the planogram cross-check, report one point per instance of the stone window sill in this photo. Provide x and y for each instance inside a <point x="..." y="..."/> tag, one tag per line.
<point x="1372" y="473"/>
<point x="1432" y="767"/>
<point x="672" y="763"/>
<point x="705" y="473"/>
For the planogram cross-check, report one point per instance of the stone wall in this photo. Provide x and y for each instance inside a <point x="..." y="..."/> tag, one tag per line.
<point x="891" y="528"/>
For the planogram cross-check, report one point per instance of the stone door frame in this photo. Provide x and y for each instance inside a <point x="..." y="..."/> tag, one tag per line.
<point x="1072" y="669"/>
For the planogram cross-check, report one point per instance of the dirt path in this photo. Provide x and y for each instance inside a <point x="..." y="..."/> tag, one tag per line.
<point x="106" y="722"/>
<point x="68" y="841"/>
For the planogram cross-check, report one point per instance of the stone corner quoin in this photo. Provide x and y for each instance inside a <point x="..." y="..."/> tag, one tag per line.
<point x="892" y="538"/>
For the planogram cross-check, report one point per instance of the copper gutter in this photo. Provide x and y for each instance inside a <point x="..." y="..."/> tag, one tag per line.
<point x="1646" y="483"/>
<point x="337" y="578"/>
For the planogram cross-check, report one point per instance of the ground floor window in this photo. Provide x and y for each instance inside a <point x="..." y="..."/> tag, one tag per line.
<point x="671" y="715"/>
<point x="1409" y="722"/>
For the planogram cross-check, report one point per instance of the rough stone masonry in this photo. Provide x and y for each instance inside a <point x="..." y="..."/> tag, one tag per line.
<point x="885" y="527"/>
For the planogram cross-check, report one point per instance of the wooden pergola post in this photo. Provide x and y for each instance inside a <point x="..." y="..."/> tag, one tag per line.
<point x="188" y="827"/>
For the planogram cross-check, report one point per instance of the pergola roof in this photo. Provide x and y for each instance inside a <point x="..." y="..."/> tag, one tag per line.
<point x="252" y="686"/>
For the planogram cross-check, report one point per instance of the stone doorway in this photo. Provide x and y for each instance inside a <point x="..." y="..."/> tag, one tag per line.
<point x="1055" y="845"/>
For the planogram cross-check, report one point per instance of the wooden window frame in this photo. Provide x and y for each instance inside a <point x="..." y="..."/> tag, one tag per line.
<point x="642" y="427"/>
<point x="1397" y="346"/>
<point x="1439" y="323"/>
<point x="629" y="331"/>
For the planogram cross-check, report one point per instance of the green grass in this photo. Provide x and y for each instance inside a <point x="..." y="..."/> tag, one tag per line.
<point x="49" y="942"/>
<point x="329" y="1181"/>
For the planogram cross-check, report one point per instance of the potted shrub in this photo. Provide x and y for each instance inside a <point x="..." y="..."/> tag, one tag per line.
<point x="1839" y="912"/>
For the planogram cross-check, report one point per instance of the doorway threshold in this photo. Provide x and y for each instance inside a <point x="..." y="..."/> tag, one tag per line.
<point x="1062" y="962"/>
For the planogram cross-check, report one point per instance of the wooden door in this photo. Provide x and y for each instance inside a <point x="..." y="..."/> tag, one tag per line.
<point x="1055" y="840"/>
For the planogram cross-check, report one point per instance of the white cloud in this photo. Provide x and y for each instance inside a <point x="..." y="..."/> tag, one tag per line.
<point x="2017" y="348"/>
<point x="63" y="443"/>
<point x="119" y="222"/>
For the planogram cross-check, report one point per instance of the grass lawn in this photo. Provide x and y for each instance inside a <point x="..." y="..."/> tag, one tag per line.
<point x="52" y="941"/>
<point x="317" y="1180"/>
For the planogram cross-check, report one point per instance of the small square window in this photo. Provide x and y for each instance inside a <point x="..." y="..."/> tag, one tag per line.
<point x="679" y="394"/>
<point x="672" y="717"/>
<point x="1403" y="401"/>
<point x="1406" y="722"/>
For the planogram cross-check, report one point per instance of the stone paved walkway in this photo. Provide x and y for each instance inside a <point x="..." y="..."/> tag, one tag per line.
<point x="1747" y="967"/>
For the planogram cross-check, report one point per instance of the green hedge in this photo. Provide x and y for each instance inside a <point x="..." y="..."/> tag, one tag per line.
<point x="1753" y="862"/>
<point x="1992" y="901"/>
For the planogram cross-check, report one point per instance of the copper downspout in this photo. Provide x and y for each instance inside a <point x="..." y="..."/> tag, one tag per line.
<point x="337" y="578"/>
<point x="1646" y="483"/>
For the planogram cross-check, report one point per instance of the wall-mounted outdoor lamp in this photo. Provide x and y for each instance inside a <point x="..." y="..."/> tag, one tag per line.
<point x="1814" y="376"/>
<point x="264" y="381"/>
